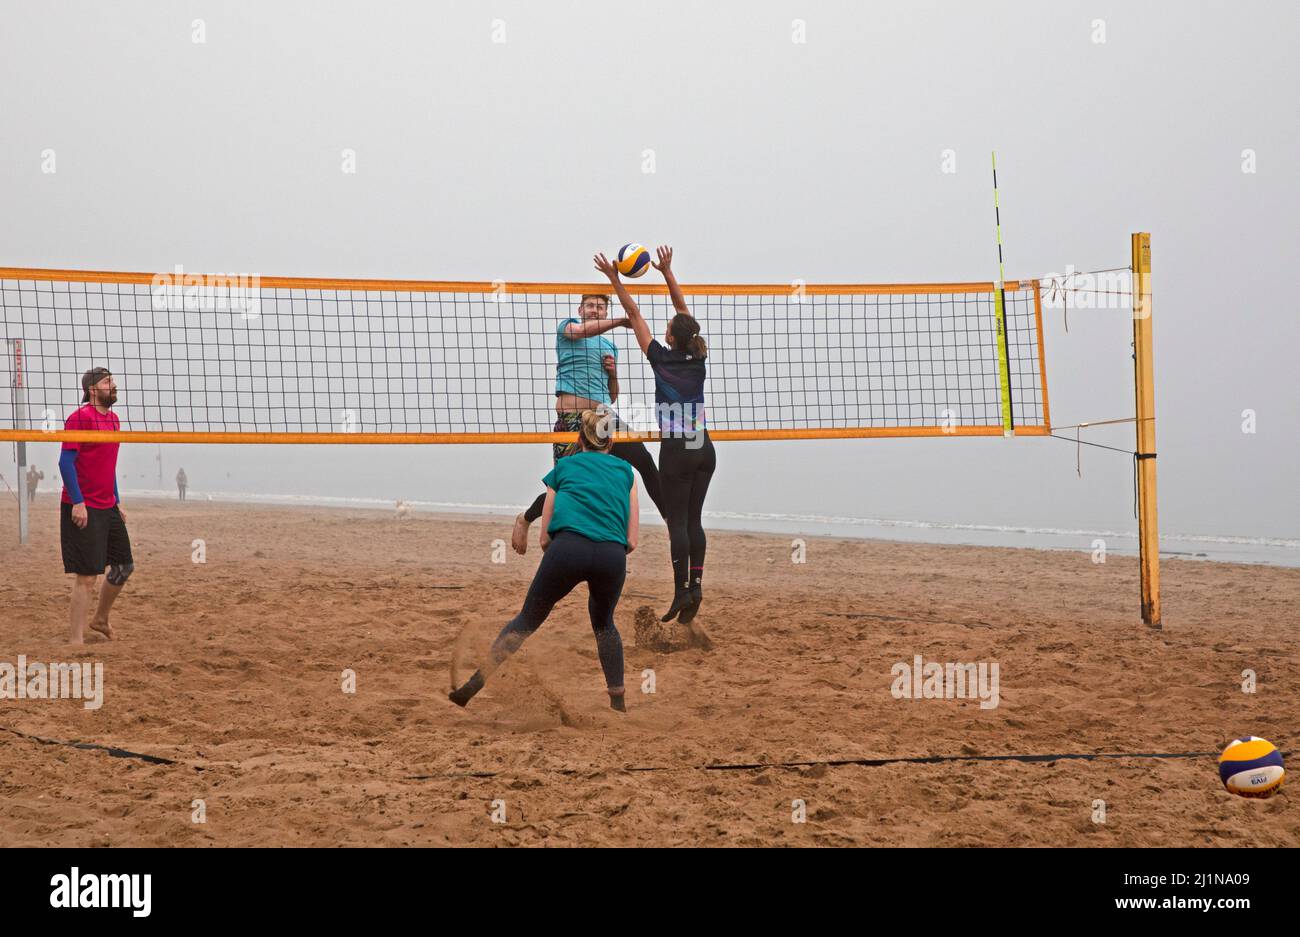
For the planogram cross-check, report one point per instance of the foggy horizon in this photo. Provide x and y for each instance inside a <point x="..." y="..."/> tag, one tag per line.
<point x="773" y="160"/>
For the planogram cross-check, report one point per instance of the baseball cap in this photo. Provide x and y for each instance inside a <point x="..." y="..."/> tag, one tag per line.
<point x="93" y="376"/>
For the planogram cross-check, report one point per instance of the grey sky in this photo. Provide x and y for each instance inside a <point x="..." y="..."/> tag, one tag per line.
<point x="775" y="160"/>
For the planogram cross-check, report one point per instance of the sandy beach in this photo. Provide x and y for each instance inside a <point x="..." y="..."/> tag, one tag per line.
<point x="233" y="670"/>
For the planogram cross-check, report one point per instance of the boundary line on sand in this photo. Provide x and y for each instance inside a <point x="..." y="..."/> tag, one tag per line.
<point x="92" y="746"/>
<point x="845" y="762"/>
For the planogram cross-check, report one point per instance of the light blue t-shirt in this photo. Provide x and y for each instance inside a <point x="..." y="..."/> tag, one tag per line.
<point x="579" y="369"/>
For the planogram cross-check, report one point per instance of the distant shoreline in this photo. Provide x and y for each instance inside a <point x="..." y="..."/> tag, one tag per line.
<point x="1243" y="550"/>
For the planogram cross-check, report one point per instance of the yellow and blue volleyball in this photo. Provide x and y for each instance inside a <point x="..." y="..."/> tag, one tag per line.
<point x="633" y="260"/>
<point x="1251" y="767"/>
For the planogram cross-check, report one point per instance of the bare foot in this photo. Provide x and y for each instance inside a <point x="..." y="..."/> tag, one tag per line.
<point x="103" y="627"/>
<point x="519" y="536"/>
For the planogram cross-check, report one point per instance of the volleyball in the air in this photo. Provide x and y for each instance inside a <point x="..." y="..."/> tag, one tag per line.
<point x="633" y="260"/>
<point x="1251" y="767"/>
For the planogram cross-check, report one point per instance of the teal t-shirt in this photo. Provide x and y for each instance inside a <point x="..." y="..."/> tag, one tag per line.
<point x="593" y="496"/>
<point x="579" y="369"/>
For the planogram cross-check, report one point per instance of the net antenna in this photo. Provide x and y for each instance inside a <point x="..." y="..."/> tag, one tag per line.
<point x="1000" y="301"/>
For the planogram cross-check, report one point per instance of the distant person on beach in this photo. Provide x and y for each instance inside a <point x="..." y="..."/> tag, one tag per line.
<point x="33" y="481"/>
<point x="93" y="525"/>
<point x="181" y="483"/>
<point x="589" y="526"/>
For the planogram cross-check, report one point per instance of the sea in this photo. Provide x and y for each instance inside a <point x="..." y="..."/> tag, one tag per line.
<point x="1265" y="550"/>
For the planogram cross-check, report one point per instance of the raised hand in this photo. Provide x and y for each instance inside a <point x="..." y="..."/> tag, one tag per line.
<point x="604" y="265"/>
<point x="665" y="255"/>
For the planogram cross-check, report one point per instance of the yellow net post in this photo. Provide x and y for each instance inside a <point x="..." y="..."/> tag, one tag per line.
<point x="1145" y="454"/>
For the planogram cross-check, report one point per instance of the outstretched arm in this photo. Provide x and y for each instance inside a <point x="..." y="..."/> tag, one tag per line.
<point x="634" y="317"/>
<point x="665" y="266"/>
<point x="576" y="330"/>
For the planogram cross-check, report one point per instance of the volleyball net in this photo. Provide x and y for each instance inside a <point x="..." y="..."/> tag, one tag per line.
<point x="213" y="358"/>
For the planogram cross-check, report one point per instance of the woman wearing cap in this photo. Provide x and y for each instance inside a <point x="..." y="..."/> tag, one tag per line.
<point x="589" y="525"/>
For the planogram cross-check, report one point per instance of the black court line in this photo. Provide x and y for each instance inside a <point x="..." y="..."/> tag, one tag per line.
<point x="943" y="759"/>
<point x="844" y="762"/>
<point x="91" y="746"/>
<point x="906" y="618"/>
<point x="750" y="766"/>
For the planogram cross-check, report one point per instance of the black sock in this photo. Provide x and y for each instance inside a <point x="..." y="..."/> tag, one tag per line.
<point x="694" y="598"/>
<point x="464" y="694"/>
<point x="681" y="599"/>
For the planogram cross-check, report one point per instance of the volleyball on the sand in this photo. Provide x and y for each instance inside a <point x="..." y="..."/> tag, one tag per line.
<point x="1251" y="767"/>
<point x="633" y="260"/>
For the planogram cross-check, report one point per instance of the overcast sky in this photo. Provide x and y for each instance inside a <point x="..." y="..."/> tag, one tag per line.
<point x="774" y="159"/>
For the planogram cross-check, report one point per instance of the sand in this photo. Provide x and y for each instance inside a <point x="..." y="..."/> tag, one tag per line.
<point x="233" y="669"/>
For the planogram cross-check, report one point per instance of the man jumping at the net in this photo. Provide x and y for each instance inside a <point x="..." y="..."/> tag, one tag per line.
<point x="586" y="378"/>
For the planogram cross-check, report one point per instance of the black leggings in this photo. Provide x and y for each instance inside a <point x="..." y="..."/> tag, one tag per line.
<point x="685" y="474"/>
<point x="634" y="454"/>
<point x="570" y="559"/>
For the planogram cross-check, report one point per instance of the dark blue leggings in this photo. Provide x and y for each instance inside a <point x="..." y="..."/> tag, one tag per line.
<point x="685" y="472"/>
<point x="570" y="559"/>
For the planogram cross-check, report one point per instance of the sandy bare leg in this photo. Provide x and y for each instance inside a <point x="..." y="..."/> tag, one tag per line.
<point x="519" y="536"/>
<point x="103" y="627"/>
<point x="107" y="593"/>
<point x="83" y="590"/>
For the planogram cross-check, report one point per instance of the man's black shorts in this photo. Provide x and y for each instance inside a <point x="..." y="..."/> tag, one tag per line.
<point x="89" y="550"/>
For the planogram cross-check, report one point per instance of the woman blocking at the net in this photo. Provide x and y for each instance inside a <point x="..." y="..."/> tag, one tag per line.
<point x="686" y="456"/>
<point x="589" y="525"/>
